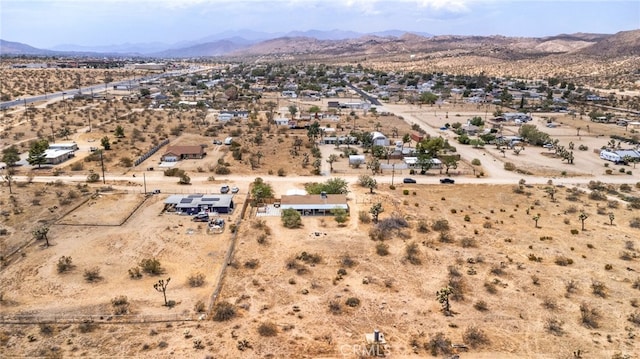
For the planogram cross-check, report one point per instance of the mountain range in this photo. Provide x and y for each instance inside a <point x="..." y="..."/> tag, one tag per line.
<point x="333" y="43"/>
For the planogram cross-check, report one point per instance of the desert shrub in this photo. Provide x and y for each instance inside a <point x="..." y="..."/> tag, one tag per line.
<point x="120" y="305"/>
<point x="412" y="254"/>
<point x="589" y="316"/>
<point x="634" y="318"/>
<point x="92" y="274"/>
<point x="65" y="264"/>
<point x="347" y="261"/>
<point x="598" y="288"/>
<point x="221" y="170"/>
<point x="481" y="306"/>
<point x="352" y="302"/>
<point x="468" y="242"/>
<point x="196" y="280"/>
<point x="549" y="303"/>
<point x="509" y="166"/>
<point x="634" y="222"/>
<point x="490" y="288"/>
<point x="87" y="327"/>
<point x="440" y="225"/>
<point x="438" y="344"/>
<point x="570" y="286"/>
<point x="487" y="225"/>
<point x="251" y="263"/>
<point x="422" y="227"/>
<point x="405" y="192"/>
<point x="497" y="270"/>
<point x="597" y="196"/>
<point x="199" y="307"/>
<point x="311" y="258"/>
<point x="626" y="256"/>
<point x="135" y="273"/>
<point x="613" y="204"/>
<point x="563" y="261"/>
<point x="224" y="311"/>
<point x="335" y="307"/>
<point x="392" y="223"/>
<point x="625" y="187"/>
<point x="636" y="283"/>
<point x="554" y="326"/>
<point x="291" y="218"/>
<point x="268" y="329"/>
<point x="364" y="217"/>
<point x="382" y="249"/>
<point x="475" y="337"/>
<point x="475" y="162"/>
<point x="457" y="288"/>
<point x="151" y="266"/>
<point x="574" y="231"/>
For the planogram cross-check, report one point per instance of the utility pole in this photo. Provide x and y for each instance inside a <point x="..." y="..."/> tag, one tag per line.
<point x="102" y="165"/>
<point x="144" y="181"/>
<point x="393" y="172"/>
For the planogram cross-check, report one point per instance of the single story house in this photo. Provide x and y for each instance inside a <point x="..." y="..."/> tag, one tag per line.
<point x="71" y="146"/>
<point x="281" y="121"/>
<point x="314" y="204"/>
<point x="177" y="153"/>
<point x="341" y="140"/>
<point x="195" y="203"/>
<point x="55" y="156"/>
<point x="239" y="114"/>
<point x="412" y="162"/>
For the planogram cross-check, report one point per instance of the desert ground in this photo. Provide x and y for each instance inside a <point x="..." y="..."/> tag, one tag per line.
<point x="521" y="287"/>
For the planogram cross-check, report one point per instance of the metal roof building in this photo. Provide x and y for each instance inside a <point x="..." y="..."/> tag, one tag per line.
<point x="314" y="204"/>
<point x="194" y="203"/>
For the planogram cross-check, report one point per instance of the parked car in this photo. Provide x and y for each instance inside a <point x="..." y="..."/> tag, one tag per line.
<point x="547" y="145"/>
<point x="447" y="180"/>
<point x="409" y="180"/>
<point x="235" y="189"/>
<point x="224" y="189"/>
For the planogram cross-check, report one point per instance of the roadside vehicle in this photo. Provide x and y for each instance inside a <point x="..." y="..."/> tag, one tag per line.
<point x="447" y="180"/>
<point x="409" y="180"/>
<point x="224" y="189"/>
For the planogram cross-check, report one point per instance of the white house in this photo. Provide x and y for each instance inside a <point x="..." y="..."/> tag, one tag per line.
<point x="282" y="121"/>
<point x="618" y="156"/>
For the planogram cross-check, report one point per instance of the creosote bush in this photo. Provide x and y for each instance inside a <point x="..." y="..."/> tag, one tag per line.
<point x="224" y="311"/>
<point x="268" y="329"/>
<point x="196" y="279"/>
<point x="475" y="337"/>
<point x="151" y="266"/>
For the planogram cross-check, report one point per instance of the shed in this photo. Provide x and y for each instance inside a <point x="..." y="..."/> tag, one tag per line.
<point x="356" y="160"/>
<point x="379" y="139"/>
<point x="228" y="141"/>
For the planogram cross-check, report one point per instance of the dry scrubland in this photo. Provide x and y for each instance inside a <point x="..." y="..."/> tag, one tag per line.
<point x="528" y="292"/>
<point x="17" y="83"/>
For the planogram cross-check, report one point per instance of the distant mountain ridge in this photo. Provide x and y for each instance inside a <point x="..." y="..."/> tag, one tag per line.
<point x="344" y="43"/>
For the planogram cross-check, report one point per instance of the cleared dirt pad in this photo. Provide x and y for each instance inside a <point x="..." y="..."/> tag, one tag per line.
<point x="105" y="209"/>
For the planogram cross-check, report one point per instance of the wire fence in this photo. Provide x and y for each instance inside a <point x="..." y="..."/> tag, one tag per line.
<point x="22" y="319"/>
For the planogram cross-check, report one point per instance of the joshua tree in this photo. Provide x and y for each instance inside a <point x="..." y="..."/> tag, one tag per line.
<point x="332" y="158"/>
<point x="611" y="218"/>
<point x="375" y="211"/>
<point x="41" y="233"/>
<point x="443" y="297"/>
<point x="161" y="286"/>
<point x="551" y="191"/>
<point x="536" y="218"/>
<point x="583" y="217"/>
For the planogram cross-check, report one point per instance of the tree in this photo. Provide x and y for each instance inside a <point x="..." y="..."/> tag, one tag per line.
<point x="119" y="133"/>
<point x="374" y="165"/>
<point x="64" y="132"/>
<point x="260" y="190"/>
<point x="105" y="143"/>
<point x="375" y="211"/>
<point x="611" y="218"/>
<point x="335" y="185"/>
<point x="443" y="298"/>
<point x="293" y="110"/>
<point x="533" y="135"/>
<point x="313" y="131"/>
<point x="406" y="139"/>
<point x="145" y="92"/>
<point x="37" y="152"/>
<point x="332" y="158"/>
<point x="536" y="218"/>
<point x="428" y="98"/>
<point x="317" y="164"/>
<point x="551" y="191"/>
<point x="368" y="182"/>
<point x="583" y="217"/>
<point x="8" y="176"/>
<point x="340" y="215"/>
<point x="291" y="218"/>
<point x="450" y="162"/>
<point x="40" y="233"/>
<point x="161" y="286"/>
<point x="10" y="155"/>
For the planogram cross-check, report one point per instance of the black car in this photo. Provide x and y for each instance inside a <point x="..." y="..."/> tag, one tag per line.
<point x="409" y="180"/>
<point x="224" y="189"/>
<point x="447" y="180"/>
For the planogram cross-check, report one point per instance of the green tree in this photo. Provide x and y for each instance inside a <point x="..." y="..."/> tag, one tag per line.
<point x="428" y="98"/>
<point x="293" y="110"/>
<point x="8" y="177"/>
<point x="64" y="133"/>
<point x="340" y="215"/>
<point x="406" y="139"/>
<point x="334" y="185"/>
<point x="260" y="190"/>
<point x="375" y="211"/>
<point x="611" y="218"/>
<point x="332" y="158"/>
<point x="10" y="155"/>
<point x="291" y="218"/>
<point x="536" y="218"/>
<point x="145" y="92"/>
<point x="184" y="179"/>
<point x="106" y="144"/>
<point x="449" y="162"/>
<point x="37" y="152"/>
<point x="119" y="133"/>
<point x="533" y="135"/>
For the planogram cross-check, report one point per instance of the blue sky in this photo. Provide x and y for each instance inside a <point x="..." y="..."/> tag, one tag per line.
<point x="46" y="23"/>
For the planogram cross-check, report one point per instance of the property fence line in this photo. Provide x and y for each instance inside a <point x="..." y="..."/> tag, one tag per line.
<point x="228" y="259"/>
<point x="21" y="319"/>
<point x="150" y="153"/>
